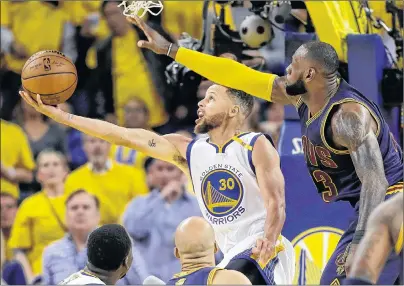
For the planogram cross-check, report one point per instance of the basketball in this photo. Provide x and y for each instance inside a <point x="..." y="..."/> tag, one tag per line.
<point x="50" y="74"/>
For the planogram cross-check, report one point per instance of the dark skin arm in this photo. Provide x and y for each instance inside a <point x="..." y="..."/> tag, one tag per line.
<point x="354" y="128"/>
<point x="382" y="235"/>
<point x="161" y="46"/>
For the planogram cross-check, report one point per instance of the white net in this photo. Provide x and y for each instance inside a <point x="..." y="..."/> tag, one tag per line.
<point x="140" y="8"/>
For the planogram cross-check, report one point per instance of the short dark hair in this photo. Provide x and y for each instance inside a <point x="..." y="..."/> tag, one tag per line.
<point x="243" y="99"/>
<point x="108" y="246"/>
<point x="324" y="54"/>
<point x="81" y="191"/>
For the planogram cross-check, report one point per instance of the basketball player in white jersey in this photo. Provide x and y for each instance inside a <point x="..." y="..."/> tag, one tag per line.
<point x="236" y="177"/>
<point x="109" y="252"/>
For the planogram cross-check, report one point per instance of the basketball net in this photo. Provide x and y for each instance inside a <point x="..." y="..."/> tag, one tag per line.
<point x="133" y="8"/>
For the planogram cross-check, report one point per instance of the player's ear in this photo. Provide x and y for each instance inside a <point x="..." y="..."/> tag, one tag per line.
<point x="234" y="111"/>
<point x="311" y="72"/>
<point x="176" y="253"/>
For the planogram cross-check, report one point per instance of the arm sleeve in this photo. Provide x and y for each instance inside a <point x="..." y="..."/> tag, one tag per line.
<point x="217" y="69"/>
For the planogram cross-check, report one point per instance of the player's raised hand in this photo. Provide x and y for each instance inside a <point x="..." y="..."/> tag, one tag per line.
<point x="47" y="110"/>
<point x="155" y="42"/>
<point x="263" y="250"/>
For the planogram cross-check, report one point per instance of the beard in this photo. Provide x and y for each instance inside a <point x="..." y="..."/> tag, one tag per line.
<point x="208" y="124"/>
<point x="297" y="88"/>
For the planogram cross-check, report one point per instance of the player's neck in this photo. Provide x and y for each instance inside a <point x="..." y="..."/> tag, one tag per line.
<point x="317" y="98"/>
<point x="189" y="266"/>
<point x="105" y="276"/>
<point x="223" y="134"/>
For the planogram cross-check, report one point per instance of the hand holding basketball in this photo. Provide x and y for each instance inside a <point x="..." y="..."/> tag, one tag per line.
<point x="156" y="42"/>
<point x="47" y="110"/>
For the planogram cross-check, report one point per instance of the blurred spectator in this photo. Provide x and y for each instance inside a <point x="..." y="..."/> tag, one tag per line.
<point x="69" y="254"/>
<point x="39" y="219"/>
<point x="8" y="207"/>
<point x="75" y="150"/>
<point x="136" y="115"/>
<point x="252" y="122"/>
<point x="124" y="71"/>
<point x="151" y="220"/>
<point x="16" y="162"/>
<point x="24" y="33"/>
<point x="42" y="133"/>
<point x="11" y="271"/>
<point x="113" y="183"/>
<point x="275" y="115"/>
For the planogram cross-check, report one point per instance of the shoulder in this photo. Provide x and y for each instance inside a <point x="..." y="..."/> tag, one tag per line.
<point x="79" y="171"/>
<point x="351" y="123"/>
<point x="32" y="200"/>
<point x="230" y="277"/>
<point x="12" y="128"/>
<point x="56" y="246"/>
<point x="263" y="148"/>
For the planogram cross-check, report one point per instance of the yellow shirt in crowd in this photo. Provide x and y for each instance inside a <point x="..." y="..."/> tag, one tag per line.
<point x="15" y="152"/>
<point x="36" y="226"/>
<point x="114" y="188"/>
<point x="128" y="156"/>
<point x="47" y="19"/>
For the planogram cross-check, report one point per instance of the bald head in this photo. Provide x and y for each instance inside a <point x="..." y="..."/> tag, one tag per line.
<point x="194" y="235"/>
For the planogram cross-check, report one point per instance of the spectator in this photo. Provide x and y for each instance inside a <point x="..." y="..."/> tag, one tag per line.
<point x="274" y="121"/>
<point x="113" y="183"/>
<point x="39" y="219"/>
<point x="42" y="133"/>
<point x="77" y="156"/>
<point x="136" y="115"/>
<point x="11" y="271"/>
<point x="24" y="33"/>
<point x="151" y="220"/>
<point x="252" y="122"/>
<point x="9" y="207"/>
<point x="125" y="71"/>
<point x="69" y="254"/>
<point x="16" y="162"/>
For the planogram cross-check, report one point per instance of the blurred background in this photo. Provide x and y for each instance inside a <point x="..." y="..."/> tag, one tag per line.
<point x="58" y="184"/>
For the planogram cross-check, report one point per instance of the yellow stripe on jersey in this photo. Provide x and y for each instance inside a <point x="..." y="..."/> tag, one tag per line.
<point x="212" y="274"/>
<point x="397" y="188"/>
<point x="242" y="143"/>
<point x="399" y="243"/>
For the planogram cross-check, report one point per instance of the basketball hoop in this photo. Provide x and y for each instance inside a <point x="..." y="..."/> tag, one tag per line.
<point x="134" y="7"/>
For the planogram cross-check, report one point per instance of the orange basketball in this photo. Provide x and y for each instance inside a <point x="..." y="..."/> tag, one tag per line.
<point x="50" y="74"/>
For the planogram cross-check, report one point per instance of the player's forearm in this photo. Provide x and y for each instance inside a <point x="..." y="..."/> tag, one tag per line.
<point x="371" y="254"/>
<point x="373" y="191"/>
<point x="227" y="72"/>
<point x="275" y="220"/>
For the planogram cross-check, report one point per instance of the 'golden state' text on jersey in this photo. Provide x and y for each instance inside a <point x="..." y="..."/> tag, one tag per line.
<point x="226" y="188"/>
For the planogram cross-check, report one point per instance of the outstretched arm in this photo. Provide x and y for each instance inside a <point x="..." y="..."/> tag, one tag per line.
<point x="263" y="85"/>
<point x="354" y="128"/>
<point x="272" y="186"/>
<point x="170" y="148"/>
<point x="381" y="237"/>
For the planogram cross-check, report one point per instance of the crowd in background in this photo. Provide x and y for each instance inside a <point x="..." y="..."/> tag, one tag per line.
<point x="58" y="184"/>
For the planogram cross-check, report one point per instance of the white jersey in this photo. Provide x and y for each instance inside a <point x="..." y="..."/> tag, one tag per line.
<point x="226" y="188"/>
<point x="82" y="278"/>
